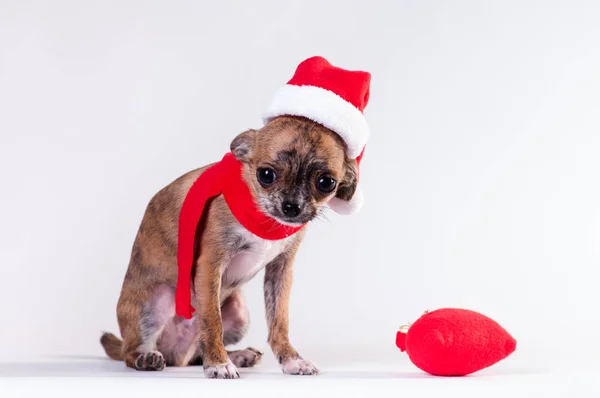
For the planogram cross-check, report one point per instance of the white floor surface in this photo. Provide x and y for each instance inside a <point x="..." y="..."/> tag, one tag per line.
<point x="92" y="376"/>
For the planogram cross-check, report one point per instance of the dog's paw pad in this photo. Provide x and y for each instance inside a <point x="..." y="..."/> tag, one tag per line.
<point x="245" y="358"/>
<point x="152" y="360"/>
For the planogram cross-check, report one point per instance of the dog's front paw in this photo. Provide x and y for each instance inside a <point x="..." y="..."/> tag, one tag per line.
<point x="225" y="370"/>
<point x="298" y="366"/>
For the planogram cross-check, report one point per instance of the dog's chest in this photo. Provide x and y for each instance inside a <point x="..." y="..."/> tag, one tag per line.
<point x="252" y="257"/>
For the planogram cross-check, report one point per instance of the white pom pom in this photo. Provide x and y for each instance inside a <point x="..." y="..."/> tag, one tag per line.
<point x="348" y="207"/>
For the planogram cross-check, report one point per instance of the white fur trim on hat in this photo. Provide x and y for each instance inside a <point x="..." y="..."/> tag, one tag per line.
<point x="348" y="207"/>
<point x="324" y="107"/>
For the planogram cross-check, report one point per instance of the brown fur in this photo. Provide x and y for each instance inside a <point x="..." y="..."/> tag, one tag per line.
<point x="300" y="149"/>
<point x="277" y="287"/>
<point x="268" y="146"/>
<point x="113" y="346"/>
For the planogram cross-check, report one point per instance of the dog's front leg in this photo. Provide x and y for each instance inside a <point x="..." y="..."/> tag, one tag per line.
<point x="277" y="285"/>
<point x="209" y="269"/>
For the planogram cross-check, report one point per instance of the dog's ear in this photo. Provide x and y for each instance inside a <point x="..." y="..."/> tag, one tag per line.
<point x="243" y="144"/>
<point x="347" y="186"/>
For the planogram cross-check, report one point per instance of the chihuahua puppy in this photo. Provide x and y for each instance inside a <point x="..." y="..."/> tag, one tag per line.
<point x="293" y="167"/>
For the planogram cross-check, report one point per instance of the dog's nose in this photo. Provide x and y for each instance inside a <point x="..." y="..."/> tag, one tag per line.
<point x="290" y="209"/>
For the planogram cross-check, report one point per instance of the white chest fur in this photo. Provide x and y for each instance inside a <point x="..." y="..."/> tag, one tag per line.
<point x="256" y="254"/>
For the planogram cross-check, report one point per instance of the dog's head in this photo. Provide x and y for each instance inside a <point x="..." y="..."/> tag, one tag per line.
<point x="294" y="166"/>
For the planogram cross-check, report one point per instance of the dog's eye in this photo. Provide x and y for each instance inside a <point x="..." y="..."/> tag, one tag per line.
<point x="326" y="184"/>
<point x="266" y="176"/>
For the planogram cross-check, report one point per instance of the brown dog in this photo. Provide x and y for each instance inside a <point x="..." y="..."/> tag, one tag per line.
<point x="293" y="167"/>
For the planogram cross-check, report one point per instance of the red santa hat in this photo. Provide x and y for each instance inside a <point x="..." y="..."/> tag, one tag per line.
<point x="335" y="98"/>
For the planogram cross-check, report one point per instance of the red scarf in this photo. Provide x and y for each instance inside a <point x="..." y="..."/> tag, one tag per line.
<point x="223" y="178"/>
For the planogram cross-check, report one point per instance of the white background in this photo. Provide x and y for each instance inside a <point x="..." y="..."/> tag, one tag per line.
<point x="481" y="175"/>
